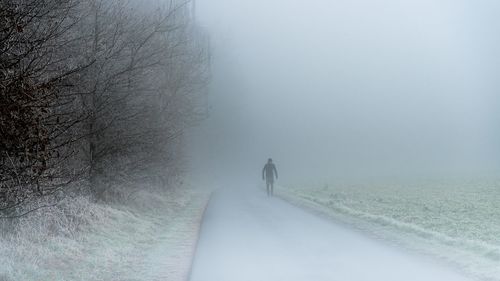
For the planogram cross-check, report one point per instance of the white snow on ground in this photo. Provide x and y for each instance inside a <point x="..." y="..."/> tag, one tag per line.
<point x="456" y="221"/>
<point x="247" y="236"/>
<point x="151" y="238"/>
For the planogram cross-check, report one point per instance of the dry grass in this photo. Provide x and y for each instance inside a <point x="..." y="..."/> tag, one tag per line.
<point x="82" y="240"/>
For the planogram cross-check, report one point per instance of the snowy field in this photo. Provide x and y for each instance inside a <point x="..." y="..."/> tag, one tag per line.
<point x="152" y="238"/>
<point x="457" y="221"/>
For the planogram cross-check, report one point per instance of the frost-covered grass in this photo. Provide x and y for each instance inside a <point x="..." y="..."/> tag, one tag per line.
<point x="151" y="237"/>
<point x="457" y="220"/>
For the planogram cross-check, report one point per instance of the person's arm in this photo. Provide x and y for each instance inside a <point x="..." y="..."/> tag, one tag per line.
<point x="263" y="171"/>
<point x="275" y="171"/>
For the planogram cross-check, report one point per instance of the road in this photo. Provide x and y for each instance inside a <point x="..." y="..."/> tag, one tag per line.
<point x="247" y="236"/>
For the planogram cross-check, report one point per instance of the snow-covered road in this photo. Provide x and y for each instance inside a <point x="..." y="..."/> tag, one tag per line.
<point x="248" y="237"/>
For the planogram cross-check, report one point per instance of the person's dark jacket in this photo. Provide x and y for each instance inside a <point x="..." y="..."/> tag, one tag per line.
<point x="269" y="172"/>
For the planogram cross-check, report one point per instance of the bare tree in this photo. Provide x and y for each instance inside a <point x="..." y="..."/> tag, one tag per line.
<point x="94" y="90"/>
<point x="33" y="71"/>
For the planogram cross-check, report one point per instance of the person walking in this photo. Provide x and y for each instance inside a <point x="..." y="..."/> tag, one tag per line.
<point x="268" y="174"/>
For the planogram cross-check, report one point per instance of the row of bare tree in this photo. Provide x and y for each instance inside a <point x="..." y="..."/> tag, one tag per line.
<point x="95" y="91"/>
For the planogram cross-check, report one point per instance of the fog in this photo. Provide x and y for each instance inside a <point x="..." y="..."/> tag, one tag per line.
<point x="351" y="88"/>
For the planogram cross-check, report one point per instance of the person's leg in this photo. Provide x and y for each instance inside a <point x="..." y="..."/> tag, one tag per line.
<point x="267" y="187"/>
<point x="272" y="188"/>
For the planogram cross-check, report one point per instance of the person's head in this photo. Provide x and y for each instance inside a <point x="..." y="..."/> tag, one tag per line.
<point x="269" y="160"/>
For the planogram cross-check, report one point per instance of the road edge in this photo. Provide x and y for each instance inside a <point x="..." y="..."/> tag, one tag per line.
<point x="198" y="235"/>
<point x="372" y="230"/>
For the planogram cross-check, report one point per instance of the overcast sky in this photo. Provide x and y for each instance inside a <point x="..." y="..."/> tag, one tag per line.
<point x="347" y="88"/>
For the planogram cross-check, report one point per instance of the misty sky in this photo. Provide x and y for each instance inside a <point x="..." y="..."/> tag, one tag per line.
<point x="353" y="87"/>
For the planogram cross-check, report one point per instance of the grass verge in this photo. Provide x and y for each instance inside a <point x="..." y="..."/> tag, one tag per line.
<point x="151" y="237"/>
